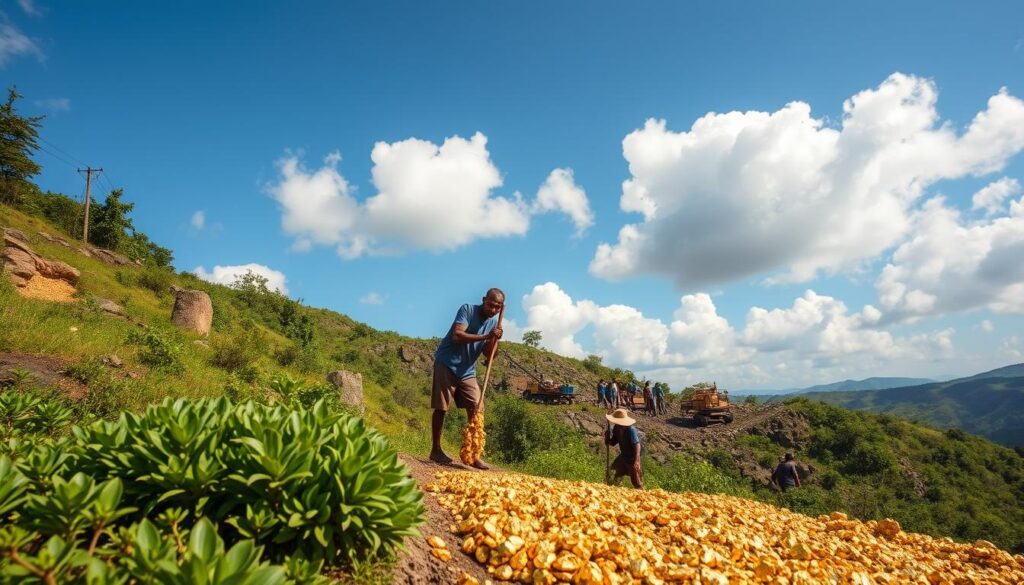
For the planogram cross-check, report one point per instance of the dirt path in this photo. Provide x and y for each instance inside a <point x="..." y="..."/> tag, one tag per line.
<point x="46" y="370"/>
<point x="417" y="566"/>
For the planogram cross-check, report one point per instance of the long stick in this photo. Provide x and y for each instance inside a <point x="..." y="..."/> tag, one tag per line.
<point x="494" y="350"/>
<point x="607" y="456"/>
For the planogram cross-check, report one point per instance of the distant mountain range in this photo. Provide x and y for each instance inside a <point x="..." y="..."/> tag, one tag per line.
<point x="990" y="404"/>
<point x="844" y="386"/>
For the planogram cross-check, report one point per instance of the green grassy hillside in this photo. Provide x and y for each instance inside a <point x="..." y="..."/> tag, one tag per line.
<point x="264" y="345"/>
<point x="992" y="407"/>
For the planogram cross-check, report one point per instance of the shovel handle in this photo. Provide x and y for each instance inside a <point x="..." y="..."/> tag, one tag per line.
<point x="494" y="350"/>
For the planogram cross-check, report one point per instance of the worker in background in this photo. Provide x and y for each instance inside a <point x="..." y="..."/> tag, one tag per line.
<point x="622" y="432"/>
<point x="649" y="407"/>
<point x="659" y="399"/>
<point x="633" y="391"/>
<point x="602" y="394"/>
<point x="786" y="475"/>
<point x="614" y="394"/>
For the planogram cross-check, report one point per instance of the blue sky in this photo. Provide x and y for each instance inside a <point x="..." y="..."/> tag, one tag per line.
<point x="201" y="107"/>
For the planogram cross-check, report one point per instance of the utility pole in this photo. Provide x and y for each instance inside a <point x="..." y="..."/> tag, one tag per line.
<point x="88" y="186"/>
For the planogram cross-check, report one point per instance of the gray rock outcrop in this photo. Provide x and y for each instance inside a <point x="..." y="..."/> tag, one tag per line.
<point x="193" y="311"/>
<point x="350" y="388"/>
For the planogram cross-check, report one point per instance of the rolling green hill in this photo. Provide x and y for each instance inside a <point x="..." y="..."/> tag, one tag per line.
<point x="262" y="344"/>
<point x="992" y="407"/>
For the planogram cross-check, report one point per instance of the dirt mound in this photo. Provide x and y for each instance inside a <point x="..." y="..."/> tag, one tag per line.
<point x="48" y="289"/>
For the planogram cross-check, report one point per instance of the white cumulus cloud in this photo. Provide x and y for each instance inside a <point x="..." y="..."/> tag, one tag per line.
<point x="373" y="298"/>
<point x="748" y="193"/>
<point x="991" y="196"/>
<point x="227" y="275"/>
<point x="54" y="104"/>
<point x="14" y="43"/>
<point x="561" y="193"/>
<point x="428" y="197"/>
<point x="817" y="336"/>
<point x="199" y="219"/>
<point x="949" y="265"/>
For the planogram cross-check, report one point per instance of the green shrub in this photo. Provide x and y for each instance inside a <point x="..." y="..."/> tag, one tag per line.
<point x="682" y="474"/>
<point x="239" y="353"/>
<point x="308" y="481"/>
<point x="868" y="458"/>
<point x="515" y="432"/>
<point x="157" y="279"/>
<point x="158" y="349"/>
<point x="571" y="462"/>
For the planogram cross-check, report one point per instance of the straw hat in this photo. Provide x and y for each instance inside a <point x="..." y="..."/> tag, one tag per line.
<point x="620" y="416"/>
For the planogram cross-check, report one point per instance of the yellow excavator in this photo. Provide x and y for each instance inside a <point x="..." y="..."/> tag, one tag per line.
<point x="708" y="405"/>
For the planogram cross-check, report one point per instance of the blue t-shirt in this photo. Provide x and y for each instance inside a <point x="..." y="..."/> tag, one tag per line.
<point x="627" y="438"/>
<point x="601" y="390"/>
<point x="461" y="358"/>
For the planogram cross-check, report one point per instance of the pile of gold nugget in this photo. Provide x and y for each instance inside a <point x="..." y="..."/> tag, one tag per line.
<point x="534" y="530"/>
<point x="473" y="439"/>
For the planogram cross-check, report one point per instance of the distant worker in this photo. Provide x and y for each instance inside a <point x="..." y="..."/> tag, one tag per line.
<point x="633" y="390"/>
<point x="622" y="432"/>
<point x="659" y="399"/>
<point x="602" y="394"/>
<point x="474" y="331"/>
<point x="786" y="475"/>
<point x="614" y="394"/>
<point x="649" y="407"/>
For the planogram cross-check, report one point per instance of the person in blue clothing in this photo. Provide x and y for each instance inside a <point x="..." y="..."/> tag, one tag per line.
<point x="602" y="393"/>
<point x="622" y="432"/>
<point x="474" y="331"/>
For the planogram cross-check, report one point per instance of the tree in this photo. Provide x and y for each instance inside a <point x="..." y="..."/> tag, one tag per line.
<point x="18" y="139"/>
<point x="532" y="338"/>
<point x="592" y="363"/>
<point x="110" y="223"/>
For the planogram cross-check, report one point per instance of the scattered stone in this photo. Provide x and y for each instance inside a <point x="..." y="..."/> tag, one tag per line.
<point x="15" y="234"/>
<point x="113" y="361"/>
<point x="350" y="387"/>
<point x="132" y="375"/>
<point x="54" y="239"/>
<point x="72" y="329"/>
<point x="193" y="310"/>
<point x="111" y="307"/>
<point x="201" y="343"/>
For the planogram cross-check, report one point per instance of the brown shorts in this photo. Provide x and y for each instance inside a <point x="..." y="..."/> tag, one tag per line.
<point x="448" y="388"/>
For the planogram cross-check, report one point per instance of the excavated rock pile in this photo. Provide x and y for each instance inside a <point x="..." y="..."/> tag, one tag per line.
<point x="34" y="275"/>
<point x="534" y="530"/>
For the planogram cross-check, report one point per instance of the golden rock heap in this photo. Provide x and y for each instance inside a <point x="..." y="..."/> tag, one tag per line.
<point x="534" y="530"/>
<point x="473" y="438"/>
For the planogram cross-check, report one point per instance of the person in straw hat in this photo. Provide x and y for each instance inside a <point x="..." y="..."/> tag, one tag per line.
<point x="622" y="432"/>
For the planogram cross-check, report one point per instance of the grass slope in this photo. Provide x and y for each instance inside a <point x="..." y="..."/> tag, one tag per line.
<point x="958" y="486"/>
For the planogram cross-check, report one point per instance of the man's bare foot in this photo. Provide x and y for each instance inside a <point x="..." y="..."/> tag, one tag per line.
<point x="479" y="464"/>
<point x="440" y="457"/>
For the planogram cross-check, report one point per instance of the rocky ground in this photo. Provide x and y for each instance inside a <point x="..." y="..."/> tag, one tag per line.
<point x="674" y="433"/>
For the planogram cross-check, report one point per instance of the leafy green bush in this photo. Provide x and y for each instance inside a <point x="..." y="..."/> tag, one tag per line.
<point x="239" y="353"/>
<point x="515" y="432"/>
<point x="157" y="279"/>
<point x="308" y="481"/>
<point x="284" y="485"/>
<point x="158" y="349"/>
<point x="682" y="474"/>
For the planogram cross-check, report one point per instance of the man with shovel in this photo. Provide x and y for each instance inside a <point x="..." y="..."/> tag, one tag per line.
<point x="622" y="432"/>
<point x="476" y="330"/>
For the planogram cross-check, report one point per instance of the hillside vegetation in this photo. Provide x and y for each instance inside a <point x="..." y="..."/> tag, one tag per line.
<point x="265" y="346"/>
<point x="990" y="405"/>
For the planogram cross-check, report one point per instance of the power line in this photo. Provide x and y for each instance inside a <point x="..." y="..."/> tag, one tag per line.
<point x="62" y="151"/>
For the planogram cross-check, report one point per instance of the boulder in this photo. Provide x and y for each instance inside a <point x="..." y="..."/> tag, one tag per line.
<point x="22" y="263"/>
<point x="193" y="310"/>
<point x="407" y="354"/>
<point x="110" y="306"/>
<point x="350" y="387"/>
<point x="113" y="361"/>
